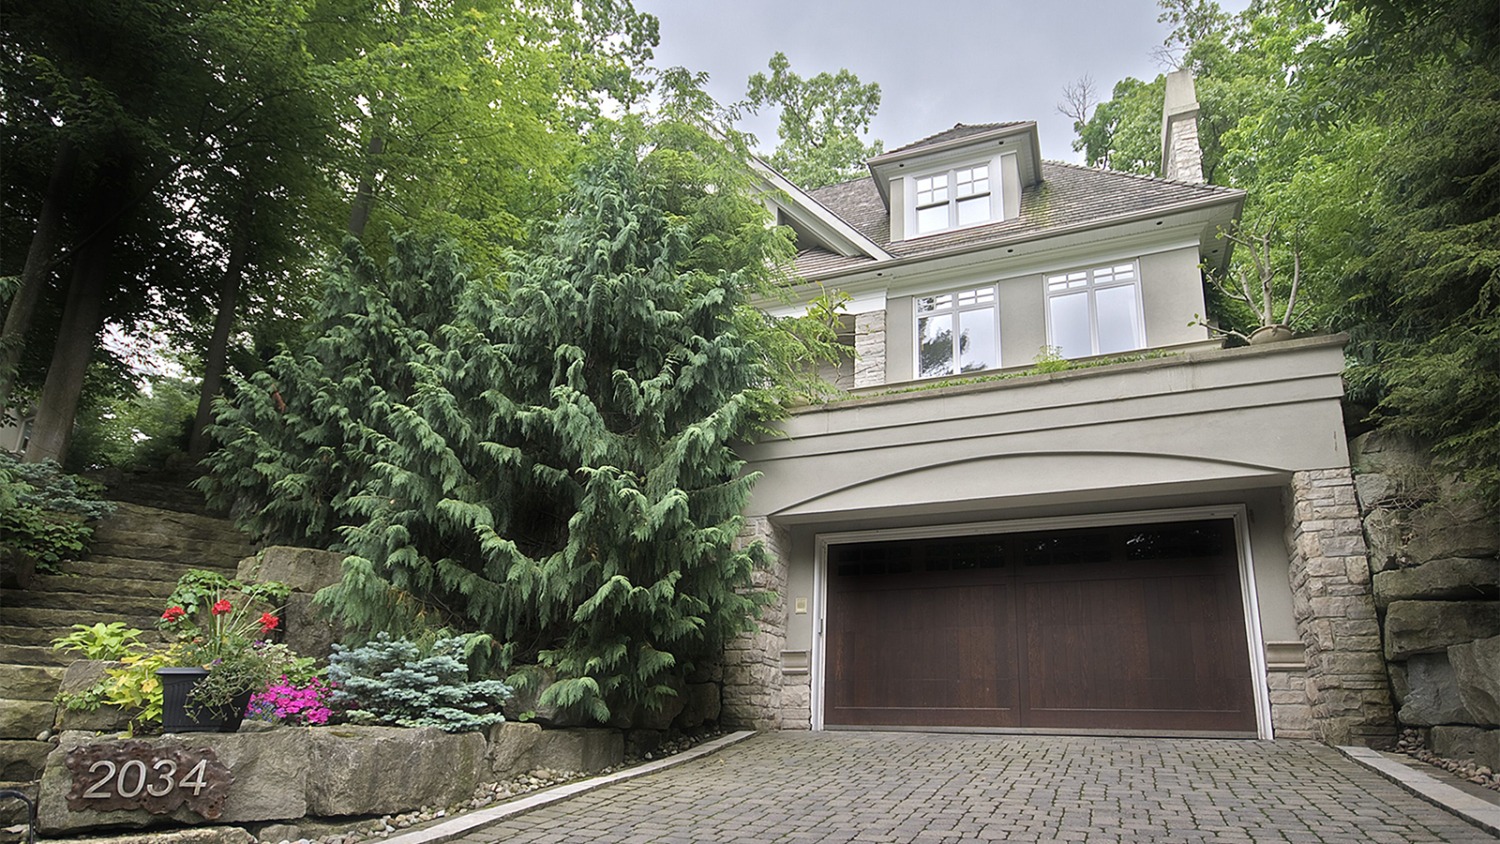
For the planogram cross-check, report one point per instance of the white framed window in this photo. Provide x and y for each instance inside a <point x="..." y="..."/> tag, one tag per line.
<point x="960" y="196"/>
<point x="957" y="332"/>
<point x="1095" y="311"/>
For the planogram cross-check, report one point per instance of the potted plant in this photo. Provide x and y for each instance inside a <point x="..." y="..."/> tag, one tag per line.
<point x="221" y="653"/>
<point x="1254" y="283"/>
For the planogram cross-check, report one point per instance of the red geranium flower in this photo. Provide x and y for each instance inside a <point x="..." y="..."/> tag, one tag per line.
<point x="268" y="622"/>
<point x="221" y="606"/>
<point x="173" y="613"/>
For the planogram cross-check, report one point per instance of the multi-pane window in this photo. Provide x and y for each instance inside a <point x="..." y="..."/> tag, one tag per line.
<point x="1095" y="311"/>
<point x="957" y="332"/>
<point x="951" y="199"/>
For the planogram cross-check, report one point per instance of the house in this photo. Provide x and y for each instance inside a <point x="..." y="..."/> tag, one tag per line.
<point x="1165" y="542"/>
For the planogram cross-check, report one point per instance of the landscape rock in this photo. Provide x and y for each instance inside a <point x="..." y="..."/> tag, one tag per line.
<point x="17" y="570"/>
<point x="510" y="748"/>
<point x="579" y="749"/>
<point x="385" y="770"/>
<point x="1453" y="527"/>
<point x="1414" y="627"/>
<point x="24" y="719"/>
<point x="309" y="630"/>
<point x="209" y="835"/>
<point x="1476" y="667"/>
<point x="703" y="702"/>
<point x="29" y="682"/>
<point x="270" y="781"/>
<point x="1385" y="536"/>
<point x="1450" y="578"/>
<point x="303" y="569"/>
<point x="1432" y="695"/>
<point x="1467" y="743"/>
<point x="21" y="759"/>
<point x="79" y="677"/>
<point x="1387" y="452"/>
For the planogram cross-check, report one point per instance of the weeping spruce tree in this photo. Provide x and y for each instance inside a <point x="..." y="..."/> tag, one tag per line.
<point x="549" y="460"/>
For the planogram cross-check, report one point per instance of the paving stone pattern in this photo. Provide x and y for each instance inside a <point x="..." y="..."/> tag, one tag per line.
<point x="930" y="789"/>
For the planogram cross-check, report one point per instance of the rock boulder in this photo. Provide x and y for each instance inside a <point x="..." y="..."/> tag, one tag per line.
<point x="1416" y="627"/>
<point x="1431" y="696"/>
<point x="386" y="770"/>
<point x="304" y="569"/>
<point x="1476" y="667"/>
<point x="1447" y="579"/>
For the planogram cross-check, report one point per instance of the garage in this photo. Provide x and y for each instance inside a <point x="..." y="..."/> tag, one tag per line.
<point x="1120" y="627"/>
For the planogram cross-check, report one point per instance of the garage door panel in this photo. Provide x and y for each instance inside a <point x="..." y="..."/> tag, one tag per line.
<point x="1125" y="627"/>
<point x="917" y="649"/>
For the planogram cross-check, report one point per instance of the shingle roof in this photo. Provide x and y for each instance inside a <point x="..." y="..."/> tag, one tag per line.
<point x="959" y="130"/>
<point x="1068" y="195"/>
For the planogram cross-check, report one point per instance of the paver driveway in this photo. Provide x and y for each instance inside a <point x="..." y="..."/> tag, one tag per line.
<point x="931" y="788"/>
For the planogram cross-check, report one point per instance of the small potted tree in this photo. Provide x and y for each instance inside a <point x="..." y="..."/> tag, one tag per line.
<point x="1254" y="281"/>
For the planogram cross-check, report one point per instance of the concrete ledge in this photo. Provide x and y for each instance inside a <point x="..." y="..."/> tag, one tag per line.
<point x="455" y="827"/>
<point x="1479" y="812"/>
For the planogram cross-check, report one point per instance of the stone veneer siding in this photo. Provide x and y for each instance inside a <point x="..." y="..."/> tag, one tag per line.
<point x="1332" y="602"/>
<point x="1185" y="159"/>
<point x="869" y="349"/>
<point x="1291" y="713"/>
<point x="752" y="661"/>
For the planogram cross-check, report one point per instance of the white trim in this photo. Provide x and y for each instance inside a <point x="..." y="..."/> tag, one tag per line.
<point x="949" y="170"/>
<point x="1236" y="512"/>
<point x="827" y="225"/>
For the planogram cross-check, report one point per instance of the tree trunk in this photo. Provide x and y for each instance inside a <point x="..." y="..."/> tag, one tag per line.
<point x="218" y="344"/>
<point x="82" y="318"/>
<point x="364" y="194"/>
<point x="34" y="273"/>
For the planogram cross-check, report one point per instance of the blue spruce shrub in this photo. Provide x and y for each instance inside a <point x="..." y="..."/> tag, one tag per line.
<point x="398" y="682"/>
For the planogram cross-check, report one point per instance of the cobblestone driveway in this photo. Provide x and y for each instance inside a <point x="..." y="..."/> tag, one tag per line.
<point x="908" y="787"/>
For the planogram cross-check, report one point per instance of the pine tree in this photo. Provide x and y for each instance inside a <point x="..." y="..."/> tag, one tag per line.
<point x="551" y="464"/>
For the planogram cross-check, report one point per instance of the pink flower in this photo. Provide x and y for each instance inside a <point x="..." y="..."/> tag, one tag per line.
<point x="268" y="622"/>
<point x="173" y="614"/>
<point x="222" y="606"/>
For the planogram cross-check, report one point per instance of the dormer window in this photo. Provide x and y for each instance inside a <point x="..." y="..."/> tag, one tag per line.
<point x="964" y="195"/>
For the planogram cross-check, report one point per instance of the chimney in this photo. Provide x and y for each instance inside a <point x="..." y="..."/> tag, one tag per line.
<point x="1181" y="157"/>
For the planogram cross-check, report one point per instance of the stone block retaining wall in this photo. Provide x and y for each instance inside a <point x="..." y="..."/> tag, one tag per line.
<point x="289" y="773"/>
<point x="1435" y="567"/>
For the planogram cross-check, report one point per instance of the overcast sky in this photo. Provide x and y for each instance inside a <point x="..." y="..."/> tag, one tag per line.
<point x="938" y="63"/>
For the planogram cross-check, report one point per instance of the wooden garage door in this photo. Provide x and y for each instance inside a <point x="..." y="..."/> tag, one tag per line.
<point x="1132" y="627"/>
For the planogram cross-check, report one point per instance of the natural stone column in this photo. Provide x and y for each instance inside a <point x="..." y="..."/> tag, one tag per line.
<point x="752" y="661"/>
<point x="1332" y="601"/>
<point x="869" y="349"/>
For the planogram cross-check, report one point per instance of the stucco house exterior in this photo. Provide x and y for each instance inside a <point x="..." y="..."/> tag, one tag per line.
<point x="1166" y="543"/>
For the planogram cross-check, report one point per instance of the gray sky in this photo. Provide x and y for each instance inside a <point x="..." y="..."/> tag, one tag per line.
<point x="938" y="63"/>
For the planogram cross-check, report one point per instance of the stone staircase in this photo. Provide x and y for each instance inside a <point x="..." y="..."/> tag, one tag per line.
<point x="138" y="553"/>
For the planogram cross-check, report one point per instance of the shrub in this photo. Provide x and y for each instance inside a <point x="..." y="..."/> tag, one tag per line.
<point x="397" y="681"/>
<point x="44" y="512"/>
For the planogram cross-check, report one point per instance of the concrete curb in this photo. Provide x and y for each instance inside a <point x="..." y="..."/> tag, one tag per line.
<point x="1481" y="813"/>
<point x="453" y="828"/>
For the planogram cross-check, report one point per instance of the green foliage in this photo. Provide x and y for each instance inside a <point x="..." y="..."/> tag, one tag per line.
<point x="134" y="686"/>
<point x="44" y="512"/>
<point x="822" y="118"/>
<point x="551" y="463"/>
<point x="138" y="430"/>
<point x="110" y="641"/>
<point x="1363" y="131"/>
<point x="220" y="624"/>
<point x="399" y="682"/>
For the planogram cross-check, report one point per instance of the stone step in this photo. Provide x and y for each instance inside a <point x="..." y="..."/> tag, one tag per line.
<point x="58" y="584"/>
<point x="22" y="760"/>
<point x="29" y="682"/>
<point x="14" y="811"/>
<point x="134" y="518"/>
<point x="26" y="719"/>
<point x="106" y="568"/>
<point x="167" y="547"/>
<point x="123" y="606"/>
<point x="137" y="612"/>
<point x="38" y="655"/>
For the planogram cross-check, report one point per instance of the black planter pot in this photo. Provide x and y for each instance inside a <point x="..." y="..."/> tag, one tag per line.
<point x="179" y="715"/>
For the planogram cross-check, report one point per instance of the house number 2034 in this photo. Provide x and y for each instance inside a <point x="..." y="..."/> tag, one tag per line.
<point x="130" y="778"/>
<point x="159" y="777"/>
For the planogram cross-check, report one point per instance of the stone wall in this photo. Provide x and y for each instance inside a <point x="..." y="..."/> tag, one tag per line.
<point x="869" y="349"/>
<point x="1347" y="688"/>
<point x="752" y="661"/>
<point x="1435" y="565"/>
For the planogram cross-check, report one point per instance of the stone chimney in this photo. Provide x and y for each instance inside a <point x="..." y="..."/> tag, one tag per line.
<point x="1181" y="157"/>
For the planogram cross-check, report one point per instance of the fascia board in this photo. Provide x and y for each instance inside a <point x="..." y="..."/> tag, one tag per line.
<point x="826" y="224"/>
<point x="880" y="164"/>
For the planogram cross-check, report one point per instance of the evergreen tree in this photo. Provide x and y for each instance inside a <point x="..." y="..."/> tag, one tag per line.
<point x="552" y="463"/>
